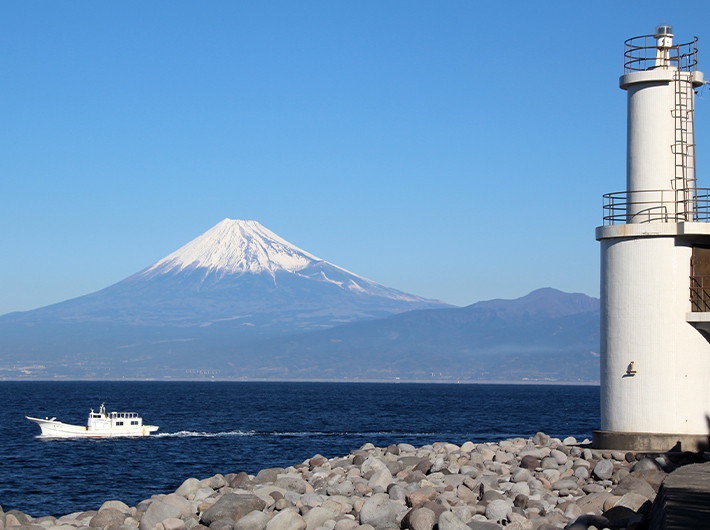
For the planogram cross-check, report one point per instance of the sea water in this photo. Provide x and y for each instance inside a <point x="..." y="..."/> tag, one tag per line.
<point x="228" y="427"/>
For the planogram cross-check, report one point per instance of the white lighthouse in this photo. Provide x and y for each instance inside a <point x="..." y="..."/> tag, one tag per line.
<point x="655" y="262"/>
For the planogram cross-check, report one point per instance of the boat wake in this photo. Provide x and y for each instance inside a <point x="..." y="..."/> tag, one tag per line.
<point x="195" y="434"/>
<point x="287" y="434"/>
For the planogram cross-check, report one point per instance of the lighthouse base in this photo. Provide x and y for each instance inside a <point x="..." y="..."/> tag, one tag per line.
<point x="649" y="441"/>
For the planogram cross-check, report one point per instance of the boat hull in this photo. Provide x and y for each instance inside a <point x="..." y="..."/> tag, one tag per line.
<point x="57" y="429"/>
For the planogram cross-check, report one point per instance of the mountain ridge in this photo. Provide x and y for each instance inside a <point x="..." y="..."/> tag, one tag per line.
<point x="449" y="344"/>
<point x="239" y="302"/>
<point x="235" y="269"/>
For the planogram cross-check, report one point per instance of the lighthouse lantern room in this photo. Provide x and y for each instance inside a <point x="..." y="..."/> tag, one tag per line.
<point x="655" y="262"/>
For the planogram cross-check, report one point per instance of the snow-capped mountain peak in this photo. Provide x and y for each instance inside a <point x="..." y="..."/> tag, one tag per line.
<point x="236" y="247"/>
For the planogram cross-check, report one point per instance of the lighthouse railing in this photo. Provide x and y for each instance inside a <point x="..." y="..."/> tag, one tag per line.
<point x="657" y="206"/>
<point x="641" y="53"/>
<point x="700" y="293"/>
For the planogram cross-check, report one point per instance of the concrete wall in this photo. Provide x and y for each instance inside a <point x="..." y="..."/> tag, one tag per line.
<point x="645" y="291"/>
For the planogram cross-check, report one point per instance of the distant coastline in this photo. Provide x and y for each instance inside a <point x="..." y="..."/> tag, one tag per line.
<point x="338" y="381"/>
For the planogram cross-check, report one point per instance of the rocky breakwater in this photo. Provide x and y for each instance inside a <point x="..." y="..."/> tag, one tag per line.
<point x="519" y="484"/>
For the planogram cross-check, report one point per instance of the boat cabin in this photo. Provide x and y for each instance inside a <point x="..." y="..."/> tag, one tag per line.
<point x="113" y="420"/>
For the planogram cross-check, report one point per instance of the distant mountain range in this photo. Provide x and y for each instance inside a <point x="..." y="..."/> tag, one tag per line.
<point x="239" y="302"/>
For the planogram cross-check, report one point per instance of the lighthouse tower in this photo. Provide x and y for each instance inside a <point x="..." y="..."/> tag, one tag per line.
<point x="655" y="263"/>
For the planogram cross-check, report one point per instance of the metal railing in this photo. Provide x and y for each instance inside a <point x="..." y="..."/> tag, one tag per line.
<point x="641" y="53"/>
<point x="700" y="294"/>
<point x="657" y="206"/>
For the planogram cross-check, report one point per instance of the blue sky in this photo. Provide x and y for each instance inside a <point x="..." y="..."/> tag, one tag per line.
<point x="454" y="150"/>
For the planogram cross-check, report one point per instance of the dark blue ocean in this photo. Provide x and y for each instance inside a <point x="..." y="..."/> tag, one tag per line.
<point x="209" y="428"/>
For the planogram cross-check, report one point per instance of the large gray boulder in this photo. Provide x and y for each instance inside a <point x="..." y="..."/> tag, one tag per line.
<point x="181" y="503"/>
<point x="634" y="484"/>
<point x="288" y="519"/>
<point x="418" y="496"/>
<point x="521" y="475"/>
<point x="541" y="439"/>
<point x="633" y="501"/>
<point x="604" y="469"/>
<point x="590" y="504"/>
<point x="379" y="512"/>
<point x="646" y="464"/>
<point x="317" y="516"/>
<point x="382" y="478"/>
<point x="498" y="509"/>
<point x="420" y="519"/>
<point x="108" y="519"/>
<point x="345" y="488"/>
<point x="215" y="482"/>
<point x="255" y="520"/>
<point x="191" y="485"/>
<point x="549" y="462"/>
<point x="156" y="513"/>
<point x="530" y="462"/>
<point x="581" y="472"/>
<point x="18" y="516"/>
<point x="559" y="456"/>
<point x="268" y="475"/>
<point x="520" y="488"/>
<point x="232" y="505"/>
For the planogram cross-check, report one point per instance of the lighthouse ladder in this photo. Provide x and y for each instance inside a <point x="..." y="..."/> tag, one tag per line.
<point x="684" y="146"/>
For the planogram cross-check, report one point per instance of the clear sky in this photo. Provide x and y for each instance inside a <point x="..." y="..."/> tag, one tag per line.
<point x="453" y="150"/>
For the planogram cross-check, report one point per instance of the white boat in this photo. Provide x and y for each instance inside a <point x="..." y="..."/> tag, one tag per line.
<point x="99" y="425"/>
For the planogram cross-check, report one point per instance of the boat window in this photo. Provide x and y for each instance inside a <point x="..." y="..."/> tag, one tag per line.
<point x="119" y="423"/>
<point x="134" y="423"/>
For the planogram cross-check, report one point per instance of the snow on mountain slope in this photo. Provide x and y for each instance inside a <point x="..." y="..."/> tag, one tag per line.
<point x="237" y="270"/>
<point x="235" y="247"/>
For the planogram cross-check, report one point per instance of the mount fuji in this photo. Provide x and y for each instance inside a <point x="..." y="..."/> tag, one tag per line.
<point x="236" y="271"/>
<point x="235" y="284"/>
<point x="239" y="302"/>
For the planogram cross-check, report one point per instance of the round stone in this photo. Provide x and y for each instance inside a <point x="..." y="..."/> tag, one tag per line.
<point x="559" y="456"/>
<point x="497" y="510"/>
<point x="379" y="512"/>
<point x="521" y="488"/>
<point x="421" y="519"/>
<point x="581" y="472"/>
<point x="604" y="469"/>
<point x="521" y="475"/>
<point x="549" y="462"/>
<point x="530" y="462"/>
<point x="287" y="520"/>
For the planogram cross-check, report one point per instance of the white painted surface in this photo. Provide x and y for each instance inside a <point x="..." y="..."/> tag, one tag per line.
<point x="650" y="134"/>
<point x="652" y="98"/>
<point x="645" y="300"/>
